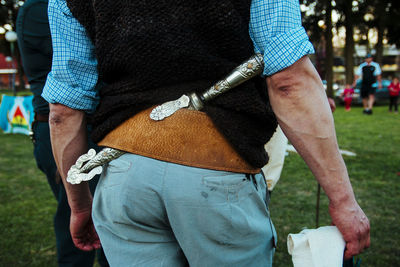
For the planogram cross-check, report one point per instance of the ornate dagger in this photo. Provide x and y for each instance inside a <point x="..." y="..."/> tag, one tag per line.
<point x="245" y="71"/>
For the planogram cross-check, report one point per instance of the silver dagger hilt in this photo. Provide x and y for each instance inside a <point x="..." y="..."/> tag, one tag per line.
<point x="244" y="72"/>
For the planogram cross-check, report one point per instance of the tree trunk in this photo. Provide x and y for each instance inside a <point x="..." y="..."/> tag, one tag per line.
<point x="349" y="48"/>
<point x="21" y="72"/>
<point x="329" y="49"/>
<point x="380" y="30"/>
<point x="379" y="46"/>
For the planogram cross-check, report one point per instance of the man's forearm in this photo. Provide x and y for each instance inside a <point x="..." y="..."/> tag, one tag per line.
<point x="355" y="80"/>
<point x="299" y="101"/>
<point x="379" y="78"/>
<point x="69" y="141"/>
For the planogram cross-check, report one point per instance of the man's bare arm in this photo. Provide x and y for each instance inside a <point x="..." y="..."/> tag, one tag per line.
<point x="356" y="77"/>
<point x="69" y="141"/>
<point x="299" y="101"/>
<point x="379" y="78"/>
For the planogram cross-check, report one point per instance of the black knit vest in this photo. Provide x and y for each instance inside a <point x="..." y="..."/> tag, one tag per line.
<point x="153" y="51"/>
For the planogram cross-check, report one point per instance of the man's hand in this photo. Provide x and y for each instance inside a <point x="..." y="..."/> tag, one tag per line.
<point x="354" y="226"/>
<point x="355" y="81"/>
<point x="332" y="104"/>
<point x="379" y="78"/>
<point x="82" y="230"/>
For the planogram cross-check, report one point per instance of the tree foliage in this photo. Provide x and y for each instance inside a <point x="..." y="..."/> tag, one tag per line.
<point x="356" y="16"/>
<point x="392" y="23"/>
<point x="365" y="14"/>
<point x="8" y="15"/>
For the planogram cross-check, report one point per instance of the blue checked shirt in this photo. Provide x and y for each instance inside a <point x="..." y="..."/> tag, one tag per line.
<point x="275" y="28"/>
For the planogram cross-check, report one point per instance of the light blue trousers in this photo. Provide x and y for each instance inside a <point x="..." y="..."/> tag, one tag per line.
<point x="154" y="213"/>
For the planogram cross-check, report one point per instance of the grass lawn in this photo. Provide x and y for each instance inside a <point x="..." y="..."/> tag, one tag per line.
<point x="27" y="205"/>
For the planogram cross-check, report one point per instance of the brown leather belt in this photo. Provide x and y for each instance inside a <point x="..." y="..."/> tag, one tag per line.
<point x="41" y="117"/>
<point x="188" y="137"/>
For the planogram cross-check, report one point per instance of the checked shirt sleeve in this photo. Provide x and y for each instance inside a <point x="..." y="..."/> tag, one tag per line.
<point x="73" y="76"/>
<point x="276" y="30"/>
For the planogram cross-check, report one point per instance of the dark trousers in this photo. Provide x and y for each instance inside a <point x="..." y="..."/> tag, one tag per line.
<point x="67" y="253"/>
<point x="393" y="102"/>
<point x="347" y="103"/>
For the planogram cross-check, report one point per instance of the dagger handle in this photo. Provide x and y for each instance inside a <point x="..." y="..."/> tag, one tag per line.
<point x="245" y="71"/>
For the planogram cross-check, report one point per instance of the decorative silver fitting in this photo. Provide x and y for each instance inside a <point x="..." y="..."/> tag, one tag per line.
<point x="90" y="164"/>
<point x="195" y="102"/>
<point x="169" y="108"/>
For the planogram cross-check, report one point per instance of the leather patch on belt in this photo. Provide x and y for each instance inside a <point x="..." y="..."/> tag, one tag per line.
<point x="188" y="137"/>
<point x="41" y="117"/>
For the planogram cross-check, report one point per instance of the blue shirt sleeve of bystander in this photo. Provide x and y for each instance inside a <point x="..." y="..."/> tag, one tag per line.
<point x="378" y="70"/>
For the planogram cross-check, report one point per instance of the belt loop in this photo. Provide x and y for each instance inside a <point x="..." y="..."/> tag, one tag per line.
<point x="252" y="177"/>
<point x="41" y="117"/>
<point x="32" y="131"/>
<point x="268" y="193"/>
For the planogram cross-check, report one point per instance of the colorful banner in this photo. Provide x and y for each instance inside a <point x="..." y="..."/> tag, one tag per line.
<point x="16" y="114"/>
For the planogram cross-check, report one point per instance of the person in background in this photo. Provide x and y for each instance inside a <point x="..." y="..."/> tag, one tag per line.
<point x="348" y="96"/>
<point x="34" y="42"/>
<point x="394" y="90"/>
<point x="369" y="71"/>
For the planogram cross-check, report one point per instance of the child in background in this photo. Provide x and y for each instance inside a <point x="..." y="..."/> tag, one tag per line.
<point x="394" y="89"/>
<point x="348" y="96"/>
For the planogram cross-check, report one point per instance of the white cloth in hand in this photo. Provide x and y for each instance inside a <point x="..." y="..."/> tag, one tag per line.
<point x="322" y="247"/>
